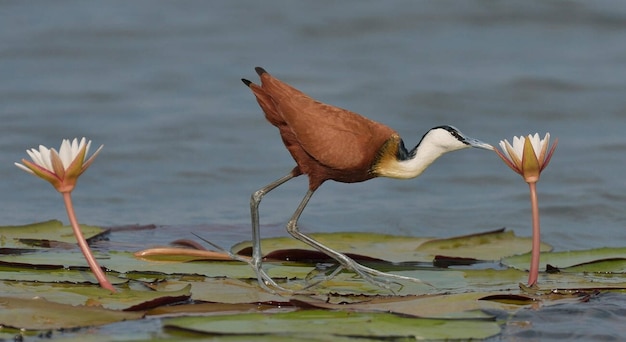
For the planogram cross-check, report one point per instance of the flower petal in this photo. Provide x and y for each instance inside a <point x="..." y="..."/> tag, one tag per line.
<point x="92" y="158"/>
<point x="75" y="169"/>
<point x="515" y="157"/>
<point x="545" y="142"/>
<point x="65" y="153"/>
<point x="530" y="164"/>
<point x="42" y="172"/>
<point x="506" y="160"/>
<point x="57" y="164"/>
<point x="503" y="148"/>
<point x="518" y="146"/>
<point x="549" y="156"/>
<point x="24" y="168"/>
<point x="536" y="142"/>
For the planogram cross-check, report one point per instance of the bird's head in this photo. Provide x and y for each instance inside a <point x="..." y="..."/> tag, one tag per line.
<point x="398" y="162"/>
<point x="448" y="139"/>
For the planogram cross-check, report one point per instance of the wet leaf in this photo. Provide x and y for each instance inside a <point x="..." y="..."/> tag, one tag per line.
<point x="225" y="290"/>
<point x="180" y="254"/>
<point x="448" y="306"/>
<point x="40" y="314"/>
<point x="616" y="265"/>
<point x="379" y="246"/>
<point x="336" y="323"/>
<point x="41" y="234"/>
<point x="126" y="262"/>
<point x="492" y="245"/>
<point x="51" y="274"/>
<point x="583" y="259"/>
<point x="123" y="299"/>
<point x="209" y="308"/>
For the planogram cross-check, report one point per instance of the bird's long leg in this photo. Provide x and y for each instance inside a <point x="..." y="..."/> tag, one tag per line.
<point x="264" y="279"/>
<point x="366" y="273"/>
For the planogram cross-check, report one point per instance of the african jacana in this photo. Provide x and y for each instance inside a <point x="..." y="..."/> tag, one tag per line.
<point x="330" y="143"/>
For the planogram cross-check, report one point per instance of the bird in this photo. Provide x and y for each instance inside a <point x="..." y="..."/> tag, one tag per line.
<point x="331" y="143"/>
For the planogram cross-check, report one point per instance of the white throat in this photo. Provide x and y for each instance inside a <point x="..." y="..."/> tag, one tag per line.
<point x="433" y="145"/>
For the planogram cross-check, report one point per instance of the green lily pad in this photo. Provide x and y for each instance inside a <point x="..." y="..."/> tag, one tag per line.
<point x="44" y="234"/>
<point x="224" y="290"/>
<point x="381" y="246"/>
<point x="583" y="260"/>
<point x="123" y="299"/>
<point x="613" y="266"/>
<point x="40" y="314"/>
<point x="52" y="274"/>
<point x="324" y="323"/>
<point x="448" y="306"/>
<point x="126" y="262"/>
<point x="492" y="245"/>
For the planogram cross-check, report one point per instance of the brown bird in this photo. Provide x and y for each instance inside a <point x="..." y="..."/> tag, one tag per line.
<point x="330" y="143"/>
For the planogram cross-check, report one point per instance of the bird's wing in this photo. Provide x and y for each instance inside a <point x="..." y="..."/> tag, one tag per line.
<point x="335" y="137"/>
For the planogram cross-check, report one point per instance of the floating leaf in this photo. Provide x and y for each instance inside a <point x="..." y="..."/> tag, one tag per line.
<point x="126" y="262"/>
<point x="225" y="290"/>
<point x="40" y="314"/>
<point x="123" y="299"/>
<point x="616" y="265"/>
<point x="567" y="259"/>
<point x="180" y="254"/>
<point x="51" y="274"/>
<point x="208" y="308"/>
<point x="449" y="306"/>
<point x="492" y="245"/>
<point x="323" y="323"/>
<point x="379" y="246"/>
<point x="41" y="234"/>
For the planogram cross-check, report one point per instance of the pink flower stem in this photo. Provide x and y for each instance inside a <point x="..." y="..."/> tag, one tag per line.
<point x="84" y="247"/>
<point x="536" y="248"/>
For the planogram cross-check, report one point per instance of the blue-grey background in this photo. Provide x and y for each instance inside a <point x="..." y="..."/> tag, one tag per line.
<point x="158" y="83"/>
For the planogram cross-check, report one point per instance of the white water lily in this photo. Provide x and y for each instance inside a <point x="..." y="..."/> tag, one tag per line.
<point x="61" y="168"/>
<point x="528" y="156"/>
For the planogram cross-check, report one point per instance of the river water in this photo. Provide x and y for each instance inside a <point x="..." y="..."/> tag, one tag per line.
<point x="158" y="83"/>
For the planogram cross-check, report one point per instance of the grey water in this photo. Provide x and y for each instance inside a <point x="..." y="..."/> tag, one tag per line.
<point x="158" y="83"/>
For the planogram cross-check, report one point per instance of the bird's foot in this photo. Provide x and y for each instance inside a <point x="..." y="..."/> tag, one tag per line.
<point x="381" y="279"/>
<point x="321" y="274"/>
<point x="267" y="283"/>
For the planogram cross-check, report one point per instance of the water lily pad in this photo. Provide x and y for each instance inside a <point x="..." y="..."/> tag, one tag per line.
<point x="126" y="262"/>
<point x="180" y="254"/>
<point x="323" y="323"/>
<point x="40" y="314"/>
<point x="379" y="246"/>
<point x="225" y="290"/>
<point x="491" y="245"/>
<point x="44" y="234"/>
<point x="51" y="274"/>
<point x="123" y="299"/>
<point x="583" y="259"/>
<point x="450" y="306"/>
<point x="613" y="266"/>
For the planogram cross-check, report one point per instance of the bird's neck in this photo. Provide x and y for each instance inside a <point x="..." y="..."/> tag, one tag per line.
<point x="395" y="161"/>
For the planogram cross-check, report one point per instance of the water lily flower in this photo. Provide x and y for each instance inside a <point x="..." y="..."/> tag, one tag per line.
<point x="62" y="170"/>
<point x="528" y="156"/>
